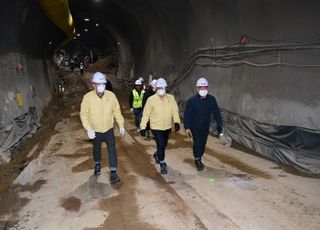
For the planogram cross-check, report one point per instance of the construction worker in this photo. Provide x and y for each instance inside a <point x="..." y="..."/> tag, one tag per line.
<point x="135" y="103"/>
<point x="150" y="91"/>
<point x="160" y="110"/>
<point x="81" y="67"/>
<point x="197" y="116"/>
<point x="99" y="108"/>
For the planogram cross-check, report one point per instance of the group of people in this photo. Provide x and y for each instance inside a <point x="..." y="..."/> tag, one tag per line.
<point x="155" y="110"/>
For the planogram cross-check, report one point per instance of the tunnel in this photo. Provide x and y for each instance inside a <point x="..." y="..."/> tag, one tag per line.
<point x="260" y="57"/>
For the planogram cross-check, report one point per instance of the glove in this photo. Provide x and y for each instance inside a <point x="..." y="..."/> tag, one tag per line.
<point x="122" y="131"/>
<point x="131" y="110"/>
<point x="189" y="133"/>
<point x="143" y="132"/>
<point x="221" y="136"/>
<point x="176" y="126"/>
<point x="91" y="134"/>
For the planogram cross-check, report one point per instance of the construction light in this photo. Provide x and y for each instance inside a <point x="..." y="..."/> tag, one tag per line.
<point x="86" y="30"/>
<point x="87" y="19"/>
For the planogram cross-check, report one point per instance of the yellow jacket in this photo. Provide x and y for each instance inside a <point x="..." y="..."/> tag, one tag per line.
<point x="99" y="113"/>
<point x="160" y="112"/>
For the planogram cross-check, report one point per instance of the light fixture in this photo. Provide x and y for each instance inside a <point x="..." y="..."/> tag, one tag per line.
<point x="78" y="35"/>
<point x="87" y="19"/>
<point x="86" y="30"/>
<point x="97" y="24"/>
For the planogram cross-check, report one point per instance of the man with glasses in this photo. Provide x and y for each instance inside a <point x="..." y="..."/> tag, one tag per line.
<point x="197" y="117"/>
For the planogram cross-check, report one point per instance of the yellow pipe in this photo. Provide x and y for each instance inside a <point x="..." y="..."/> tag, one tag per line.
<point x="59" y="13"/>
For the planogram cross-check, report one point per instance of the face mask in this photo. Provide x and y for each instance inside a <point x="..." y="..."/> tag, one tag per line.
<point x="203" y="92"/>
<point x="161" y="92"/>
<point x="101" y="88"/>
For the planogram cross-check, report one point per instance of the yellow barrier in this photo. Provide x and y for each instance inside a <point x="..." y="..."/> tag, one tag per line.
<point x="59" y="13"/>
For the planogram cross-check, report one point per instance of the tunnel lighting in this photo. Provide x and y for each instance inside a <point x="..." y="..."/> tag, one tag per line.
<point x="78" y="35"/>
<point x="118" y="43"/>
<point x="50" y="43"/>
<point x="87" y="19"/>
<point x="97" y="24"/>
<point x="74" y="38"/>
<point x="86" y="30"/>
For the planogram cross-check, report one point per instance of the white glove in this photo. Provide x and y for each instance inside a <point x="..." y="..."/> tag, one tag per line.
<point x="122" y="131"/>
<point x="91" y="134"/>
<point x="131" y="110"/>
<point x="222" y="137"/>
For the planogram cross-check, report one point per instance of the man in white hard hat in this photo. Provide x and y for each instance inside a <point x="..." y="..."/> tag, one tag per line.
<point x="149" y="92"/>
<point x="99" y="108"/>
<point x="135" y="102"/>
<point x="160" y="110"/>
<point x="197" y="116"/>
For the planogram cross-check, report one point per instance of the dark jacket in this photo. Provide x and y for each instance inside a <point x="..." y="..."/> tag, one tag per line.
<point x="197" y="114"/>
<point x="147" y="94"/>
<point x="109" y="86"/>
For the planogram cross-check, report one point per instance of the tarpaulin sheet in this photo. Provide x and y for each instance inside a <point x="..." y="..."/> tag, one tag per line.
<point x="295" y="146"/>
<point x="16" y="131"/>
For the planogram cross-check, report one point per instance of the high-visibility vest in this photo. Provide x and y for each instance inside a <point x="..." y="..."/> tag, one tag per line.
<point x="137" y="99"/>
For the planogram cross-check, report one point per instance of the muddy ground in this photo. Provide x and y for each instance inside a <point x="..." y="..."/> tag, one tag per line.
<point x="52" y="185"/>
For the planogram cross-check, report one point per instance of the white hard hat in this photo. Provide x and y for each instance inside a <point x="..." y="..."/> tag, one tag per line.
<point x="99" y="78"/>
<point x="138" y="82"/>
<point x="141" y="79"/>
<point x="161" y="83"/>
<point x="202" y="82"/>
<point x="153" y="83"/>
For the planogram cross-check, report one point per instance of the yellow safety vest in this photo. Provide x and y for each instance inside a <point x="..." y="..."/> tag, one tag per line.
<point x="137" y="100"/>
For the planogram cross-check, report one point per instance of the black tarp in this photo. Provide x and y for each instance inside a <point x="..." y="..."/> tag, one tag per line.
<point x="295" y="146"/>
<point x="16" y="131"/>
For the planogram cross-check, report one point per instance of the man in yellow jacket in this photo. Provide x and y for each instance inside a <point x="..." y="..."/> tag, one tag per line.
<point x="99" y="108"/>
<point x="160" y="109"/>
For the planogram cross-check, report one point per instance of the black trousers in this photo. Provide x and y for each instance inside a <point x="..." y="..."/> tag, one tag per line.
<point x="200" y="137"/>
<point x="161" y="137"/>
<point x="137" y="116"/>
<point x="109" y="138"/>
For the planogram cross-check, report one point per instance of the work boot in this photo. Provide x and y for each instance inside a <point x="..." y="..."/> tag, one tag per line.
<point x="97" y="169"/>
<point x="114" y="177"/>
<point x="155" y="156"/>
<point x="163" y="168"/>
<point x="199" y="165"/>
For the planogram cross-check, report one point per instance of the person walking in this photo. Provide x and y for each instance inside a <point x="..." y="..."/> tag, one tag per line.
<point x="160" y="110"/>
<point x="197" y="116"/>
<point x="135" y="103"/>
<point x="81" y="67"/>
<point x="150" y="91"/>
<point x="99" y="108"/>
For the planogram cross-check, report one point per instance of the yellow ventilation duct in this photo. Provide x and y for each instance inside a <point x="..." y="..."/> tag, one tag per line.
<point x="59" y="13"/>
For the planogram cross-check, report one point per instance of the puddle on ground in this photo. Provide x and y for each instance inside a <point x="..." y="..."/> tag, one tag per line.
<point x="71" y="204"/>
<point x="122" y="209"/>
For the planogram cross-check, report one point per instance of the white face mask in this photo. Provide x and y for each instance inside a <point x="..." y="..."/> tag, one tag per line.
<point x="203" y="92"/>
<point x="101" y="88"/>
<point x="161" y="92"/>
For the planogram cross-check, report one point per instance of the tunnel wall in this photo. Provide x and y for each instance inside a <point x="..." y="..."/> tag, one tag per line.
<point x="275" y="87"/>
<point x="283" y="98"/>
<point x="25" y="35"/>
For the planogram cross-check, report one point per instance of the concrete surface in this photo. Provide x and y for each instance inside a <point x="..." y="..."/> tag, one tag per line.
<point x="57" y="190"/>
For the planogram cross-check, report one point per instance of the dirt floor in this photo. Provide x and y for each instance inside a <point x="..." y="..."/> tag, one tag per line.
<point x="53" y="186"/>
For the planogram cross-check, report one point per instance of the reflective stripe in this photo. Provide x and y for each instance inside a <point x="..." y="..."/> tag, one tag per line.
<point x="137" y="99"/>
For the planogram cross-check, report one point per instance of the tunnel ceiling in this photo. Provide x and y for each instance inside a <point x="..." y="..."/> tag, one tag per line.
<point x="137" y="26"/>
